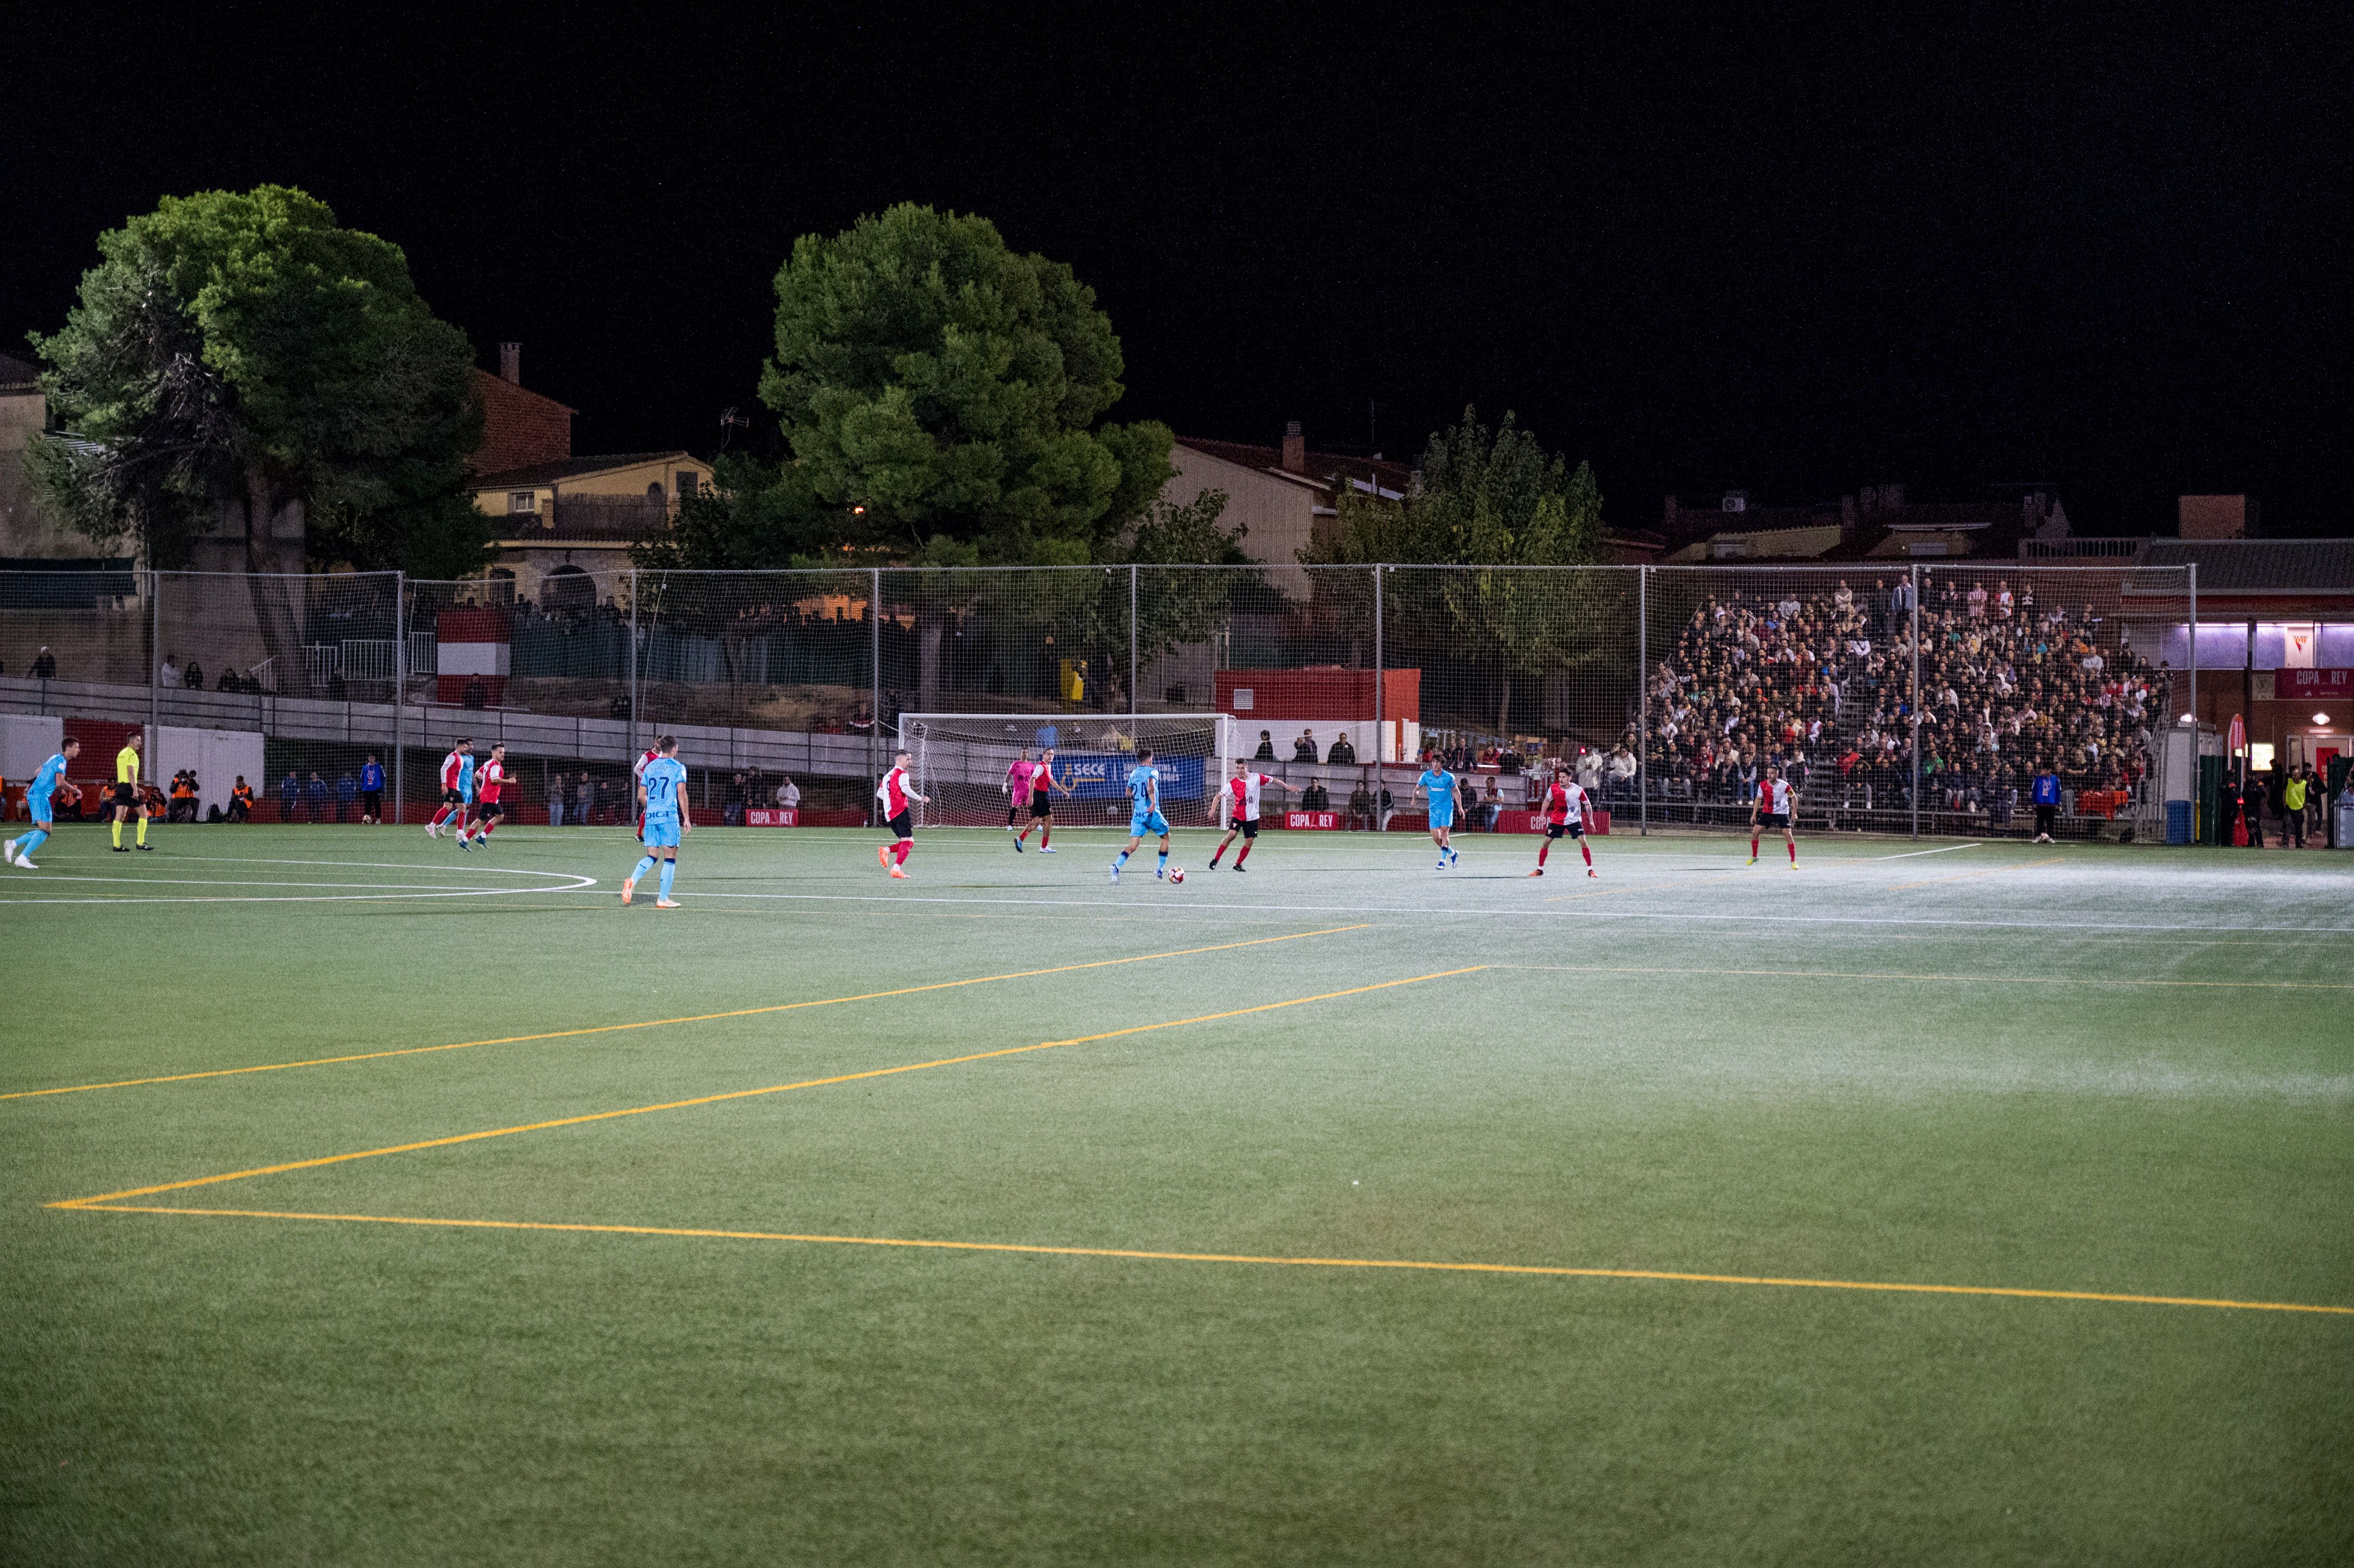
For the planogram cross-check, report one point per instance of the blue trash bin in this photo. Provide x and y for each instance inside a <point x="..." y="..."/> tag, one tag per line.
<point x="2178" y="822"/>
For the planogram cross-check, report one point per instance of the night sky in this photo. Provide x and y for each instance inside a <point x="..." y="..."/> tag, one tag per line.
<point x="2105" y="249"/>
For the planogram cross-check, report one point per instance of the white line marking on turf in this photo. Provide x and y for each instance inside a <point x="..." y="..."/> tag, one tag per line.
<point x="1908" y="854"/>
<point x="1426" y="912"/>
<point x="552" y="882"/>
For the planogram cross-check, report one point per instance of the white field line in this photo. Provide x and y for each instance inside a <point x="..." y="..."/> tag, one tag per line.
<point x="551" y="881"/>
<point x="1908" y="854"/>
<point x="1427" y="912"/>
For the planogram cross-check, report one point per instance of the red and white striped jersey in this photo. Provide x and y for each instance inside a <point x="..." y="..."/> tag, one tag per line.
<point x="893" y="791"/>
<point x="1774" y="797"/>
<point x="1566" y="801"/>
<point x="638" y="769"/>
<point x="493" y="779"/>
<point x="453" y="768"/>
<point x="1242" y="796"/>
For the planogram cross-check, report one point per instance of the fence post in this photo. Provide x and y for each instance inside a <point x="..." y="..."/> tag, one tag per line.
<point x="399" y="691"/>
<point x="1380" y="721"/>
<point x="155" y="654"/>
<point x="1643" y="685"/>
<point x="874" y="667"/>
<point x="1915" y="579"/>
<point x="630" y="752"/>
<point x="2191" y="656"/>
<point x="1132" y="670"/>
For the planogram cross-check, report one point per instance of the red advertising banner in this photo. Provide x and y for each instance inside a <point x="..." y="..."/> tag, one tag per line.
<point x="1330" y="820"/>
<point x="1596" y="823"/>
<point x="2300" y="684"/>
<point x="772" y="817"/>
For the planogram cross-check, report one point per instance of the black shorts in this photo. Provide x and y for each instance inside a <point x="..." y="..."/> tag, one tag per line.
<point x="127" y="797"/>
<point x="903" y="826"/>
<point x="1773" y="820"/>
<point x="452" y="797"/>
<point x="1556" y="830"/>
<point x="372" y="802"/>
<point x="484" y="811"/>
<point x="1042" y="805"/>
<point x="1249" y="829"/>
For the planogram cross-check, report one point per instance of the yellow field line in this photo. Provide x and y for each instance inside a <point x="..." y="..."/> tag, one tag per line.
<point x="1974" y="980"/>
<point x="744" y="1093"/>
<point x="662" y="1022"/>
<point x="1383" y="1263"/>
<point x="1988" y="871"/>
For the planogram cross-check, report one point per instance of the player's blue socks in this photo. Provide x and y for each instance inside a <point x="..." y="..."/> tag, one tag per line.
<point x="1121" y="861"/>
<point x="31" y="841"/>
<point x="644" y="866"/>
<point x="1164" y="863"/>
<point x="669" y="876"/>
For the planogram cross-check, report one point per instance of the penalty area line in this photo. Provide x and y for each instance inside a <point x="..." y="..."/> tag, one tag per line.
<point x="1267" y="1260"/>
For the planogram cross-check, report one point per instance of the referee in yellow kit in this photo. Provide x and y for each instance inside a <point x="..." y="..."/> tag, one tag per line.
<point x="126" y="791"/>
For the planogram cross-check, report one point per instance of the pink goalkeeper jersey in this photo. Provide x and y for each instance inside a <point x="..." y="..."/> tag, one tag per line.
<point x="1017" y="778"/>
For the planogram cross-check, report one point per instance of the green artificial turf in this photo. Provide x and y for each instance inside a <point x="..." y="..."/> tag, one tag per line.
<point x="1950" y="1068"/>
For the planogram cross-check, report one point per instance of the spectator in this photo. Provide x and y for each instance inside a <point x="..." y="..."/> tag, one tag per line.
<point x="1491" y="805"/>
<point x="183" y="807"/>
<point x="476" y="695"/>
<point x="556" y="789"/>
<point x="168" y="677"/>
<point x="608" y="800"/>
<point x="788" y="795"/>
<point x="45" y="667"/>
<point x="241" y="801"/>
<point x="371" y="790"/>
<point x="1467" y="798"/>
<point x="1342" y="754"/>
<point x="315" y="793"/>
<point x="1266" y="752"/>
<point x="731" y="805"/>
<point x="1315" y="798"/>
<point x="193" y="676"/>
<point x="1361" y="806"/>
<point x="289" y="797"/>
<point x="584" y="801"/>
<point x="347" y="797"/>
<point x="1304" y="749"/>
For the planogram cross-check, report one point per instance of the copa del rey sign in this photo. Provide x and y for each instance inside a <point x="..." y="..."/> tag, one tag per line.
<point x="2301" y="683"/>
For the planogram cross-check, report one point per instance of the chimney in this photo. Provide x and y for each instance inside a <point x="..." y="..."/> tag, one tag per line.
<point x="511" y="363"/>
<point x="2216" y="517"/>
<point x="1295" y="449"/>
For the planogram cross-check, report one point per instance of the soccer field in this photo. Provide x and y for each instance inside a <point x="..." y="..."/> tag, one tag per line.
<point x="1945" y="1202"/>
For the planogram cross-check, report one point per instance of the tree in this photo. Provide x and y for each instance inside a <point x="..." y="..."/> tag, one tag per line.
<point x="942" y="395"/>
<point x="244" y="350"/>
<point x="1491" y="501"/>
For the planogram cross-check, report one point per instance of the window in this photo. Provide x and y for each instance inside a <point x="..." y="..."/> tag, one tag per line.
<point x="689" y="482"/>
<point x="654" y="493"/>
<point x="522" y="501"/>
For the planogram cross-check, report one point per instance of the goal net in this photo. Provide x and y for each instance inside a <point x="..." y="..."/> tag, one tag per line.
<point x="961" y="761"/>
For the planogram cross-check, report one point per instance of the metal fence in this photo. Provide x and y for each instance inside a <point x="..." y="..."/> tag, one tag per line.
<point x="1904" y="695"/>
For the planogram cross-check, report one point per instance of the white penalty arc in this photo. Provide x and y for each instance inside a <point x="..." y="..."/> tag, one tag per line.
<point x="355" y="892"/>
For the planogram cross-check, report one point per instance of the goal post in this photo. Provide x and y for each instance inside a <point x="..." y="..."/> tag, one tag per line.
<point x="961" y="761"/>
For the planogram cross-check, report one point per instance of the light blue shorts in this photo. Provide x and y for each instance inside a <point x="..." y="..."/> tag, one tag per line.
<point x="661" y="835"/>
<point x="44" y="815"/>
<point x="1152" y="826"/>
<point x="1442" y="820"/>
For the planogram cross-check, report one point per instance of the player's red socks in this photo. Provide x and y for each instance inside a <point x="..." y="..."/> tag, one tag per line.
<point x="1794" y="855"/>
<point x="904" y="846"/>
<point x="1587" y="851"/>
<point x="1543" y="850"/>
<point x="1753" y="846"/>
<point x="1046" y="836"/>
<point x="1246" y="851"/>
<point x="439" y="817"/>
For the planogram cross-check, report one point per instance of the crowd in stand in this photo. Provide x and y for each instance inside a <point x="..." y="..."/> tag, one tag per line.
<point x="1821" y="684"/>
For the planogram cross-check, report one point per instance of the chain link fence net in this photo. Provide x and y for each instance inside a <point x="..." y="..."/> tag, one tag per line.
<point x="1667" y="687"/>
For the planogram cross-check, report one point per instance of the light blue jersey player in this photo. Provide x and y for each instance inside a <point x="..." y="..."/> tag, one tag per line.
<point x="39" y="802"/>
<point x="1145" y="813"/>
<point x="661" y="795"/>
<point x="1439" y="786"/>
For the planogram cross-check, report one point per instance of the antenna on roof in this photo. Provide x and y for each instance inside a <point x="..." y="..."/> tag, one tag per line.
<point x="730" y="422"/>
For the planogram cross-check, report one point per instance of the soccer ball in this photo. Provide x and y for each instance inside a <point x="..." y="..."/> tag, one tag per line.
<point x="1176" y="873"/>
